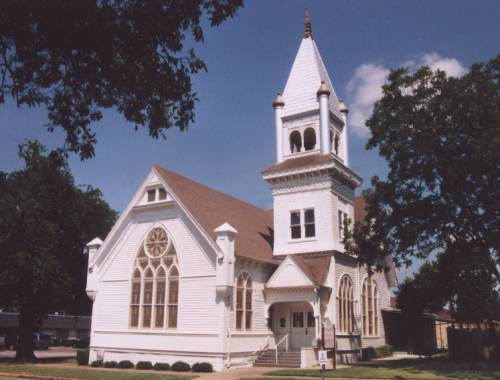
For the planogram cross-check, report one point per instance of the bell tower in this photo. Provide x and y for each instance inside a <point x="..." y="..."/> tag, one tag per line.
<point x="311" y="182"/>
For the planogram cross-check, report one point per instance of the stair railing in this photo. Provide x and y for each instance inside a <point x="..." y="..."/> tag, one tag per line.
<point x="284" y="339"/>
<point x="263" y="348"/>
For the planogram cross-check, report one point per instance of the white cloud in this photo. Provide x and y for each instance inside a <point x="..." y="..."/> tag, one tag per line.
<point x="450" y="66"/>
<point x="365" y="87"/>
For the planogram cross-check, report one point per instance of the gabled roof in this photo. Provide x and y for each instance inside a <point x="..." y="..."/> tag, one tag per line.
<point x="304" y="80"/>
<point x="212" y="208"/>
<point x="316" y="268"/>
<point x="300" y="272"/>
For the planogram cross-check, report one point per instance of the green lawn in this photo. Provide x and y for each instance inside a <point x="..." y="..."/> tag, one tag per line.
<point x="404" y="369"/>
<point x="86" y="373"/>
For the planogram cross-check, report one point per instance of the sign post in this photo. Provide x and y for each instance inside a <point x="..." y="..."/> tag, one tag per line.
<point x="328" y="339"/>
<point x="322" y="359"/>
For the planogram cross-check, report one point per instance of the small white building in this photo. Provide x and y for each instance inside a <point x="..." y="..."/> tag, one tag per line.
<point x="189" y="273"/>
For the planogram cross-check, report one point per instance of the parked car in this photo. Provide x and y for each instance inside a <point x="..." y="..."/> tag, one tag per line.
<point x="41" y="341"/>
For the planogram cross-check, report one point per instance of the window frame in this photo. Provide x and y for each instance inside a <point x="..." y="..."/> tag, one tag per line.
<point x="370" y="306"/>
<point x="345" y="305"/>
<point x="246" y="310"/>
<point x="302" y="224"/>
<point x="161" y="268"/>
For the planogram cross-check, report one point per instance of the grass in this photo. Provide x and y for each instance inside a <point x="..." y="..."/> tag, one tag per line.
<point x="438" y="368"/>
<point x="86" y="373"/>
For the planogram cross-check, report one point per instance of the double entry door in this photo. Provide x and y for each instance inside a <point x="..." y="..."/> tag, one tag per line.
<point x="303" y="326"/>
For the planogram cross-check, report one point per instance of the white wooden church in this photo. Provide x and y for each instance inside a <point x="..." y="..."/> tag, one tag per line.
<point x="190" y="273"/>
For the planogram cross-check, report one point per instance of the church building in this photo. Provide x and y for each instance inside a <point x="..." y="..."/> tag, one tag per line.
<point x="191" y="274"/>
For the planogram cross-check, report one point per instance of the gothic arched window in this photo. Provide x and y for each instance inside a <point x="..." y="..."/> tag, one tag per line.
<point x="244" y="302"/>
<point x="155" y="283"/>
<point x="295" y="142"/>
<point x="346" y="305"/>
<point x="309" y="139"/>
<point x="369" y="306"/>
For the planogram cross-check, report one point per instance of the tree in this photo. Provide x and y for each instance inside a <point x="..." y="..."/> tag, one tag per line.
<point x="45" y="222"/>
<point x="440" y="136"/>
<point x="77" y="58"/>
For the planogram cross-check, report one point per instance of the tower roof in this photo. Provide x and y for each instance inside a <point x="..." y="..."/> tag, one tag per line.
<point x="308" y="71"/>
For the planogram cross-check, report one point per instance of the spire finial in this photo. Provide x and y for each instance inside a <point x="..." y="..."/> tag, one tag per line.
<point x="307" y="26"/>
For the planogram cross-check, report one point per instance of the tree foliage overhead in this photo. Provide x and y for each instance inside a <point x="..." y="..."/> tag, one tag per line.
<point x="440" y="136"/>
<point x="77" y="58"/>
<point x="45" y="222"/>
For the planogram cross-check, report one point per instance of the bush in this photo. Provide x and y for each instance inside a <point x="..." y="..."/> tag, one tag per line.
<point x="383" y="351"/>
<point x="111" y="364"/>
<point x="180" y="367"/>
<point x="161" y="366"/>
<point x="368" y="353"/>
<point x="81" y="343"/>
<point x="82" y="357"/>
<point x="96" y="363"/>
<point x="202" y="367"/>
<point x="125" y="364"/>
<point x="144" y="365"/>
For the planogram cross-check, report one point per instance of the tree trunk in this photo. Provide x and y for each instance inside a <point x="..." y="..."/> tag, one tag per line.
<point x="24" y="351"/>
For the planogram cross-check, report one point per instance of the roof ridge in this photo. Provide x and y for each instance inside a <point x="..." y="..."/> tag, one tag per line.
<point x="157" y="166"/>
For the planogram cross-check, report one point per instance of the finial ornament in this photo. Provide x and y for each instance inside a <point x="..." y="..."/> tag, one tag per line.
<point x="323" y="89"/>
<point x="278" y="102"/>
<point x="307" y="26"/>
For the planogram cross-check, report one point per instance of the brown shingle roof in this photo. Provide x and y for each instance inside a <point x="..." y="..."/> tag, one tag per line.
<point x="211" y="208"/>
<point x="316" y="268"/>
<point x="299" y="162"/>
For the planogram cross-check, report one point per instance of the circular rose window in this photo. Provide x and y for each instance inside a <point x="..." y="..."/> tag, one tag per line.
<point x="156" y="243"/>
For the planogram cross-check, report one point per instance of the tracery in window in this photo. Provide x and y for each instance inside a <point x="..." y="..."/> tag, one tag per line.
<point x="346" y="305"/>
<point x="369" y="306"/>
<point x="244" y="302"/>
<point x="155" y="283"/>
<point x="309" y="139"/>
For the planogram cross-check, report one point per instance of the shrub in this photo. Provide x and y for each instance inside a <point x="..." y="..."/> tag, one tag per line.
<point x="111" y="364"/>
<point x="82" y="343"/>
<point x="96" y="363"/>
<point x="82" y="357"/>
<point x="144" y="365"/>
<point x="383" y="351"/>
<point x="125" y="364"/>
<point x="368" y="353"/>
<point x="161" y="366"/>
<point x="180" y="367"/>
<point x="202" y="367"/>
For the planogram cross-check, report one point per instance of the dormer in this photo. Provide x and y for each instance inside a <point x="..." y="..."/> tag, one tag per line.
<point x="154" y="193"/>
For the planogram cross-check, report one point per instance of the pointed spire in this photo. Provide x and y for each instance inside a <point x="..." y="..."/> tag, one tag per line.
<point x="307" y="26"/>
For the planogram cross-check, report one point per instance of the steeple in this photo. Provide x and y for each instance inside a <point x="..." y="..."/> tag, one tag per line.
<point x="306" y="75"/>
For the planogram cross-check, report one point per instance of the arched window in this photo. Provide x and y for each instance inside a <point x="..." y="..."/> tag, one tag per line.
<point x="135" y="298"/>
<point x="152" y="304"/>
<point x="295" y="142"/>
<point x="173" y="297"/>
<point x="336" y="144"/>
<point x="346" y="305"/>
<point x="369" y="305"/>
<point x="244" y="304"/>
<point x="309" y="139"/>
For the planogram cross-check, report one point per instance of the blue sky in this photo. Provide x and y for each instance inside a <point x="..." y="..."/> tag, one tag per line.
<point x="248" y="59"/>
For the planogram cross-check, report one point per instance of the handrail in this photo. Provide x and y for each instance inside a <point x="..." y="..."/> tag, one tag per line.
<point x="262" y="348"/>
<point x="285" y="338"/>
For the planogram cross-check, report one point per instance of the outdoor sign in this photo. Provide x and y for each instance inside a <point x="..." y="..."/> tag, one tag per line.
<point x="328" y="335"/>
<point x="322" y="357"/>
